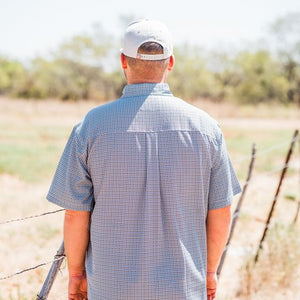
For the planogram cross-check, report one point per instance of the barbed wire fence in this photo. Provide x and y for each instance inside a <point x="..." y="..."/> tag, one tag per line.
<point x="270" y="215"/>
<point x="32" y="217"/>
<point x="237" y="210"/>
<point x="60" y="255"/>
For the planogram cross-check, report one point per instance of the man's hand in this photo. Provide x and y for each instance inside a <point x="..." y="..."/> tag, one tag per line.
<point x="77" y="287"/>
<point x="211" y="285"/>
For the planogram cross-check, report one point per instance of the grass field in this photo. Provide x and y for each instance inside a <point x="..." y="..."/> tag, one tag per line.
<point x="32" y="137"/>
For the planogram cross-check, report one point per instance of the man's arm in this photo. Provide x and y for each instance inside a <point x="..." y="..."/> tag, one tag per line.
<point x="217" y="230"/>
<point x="76" y="239"/>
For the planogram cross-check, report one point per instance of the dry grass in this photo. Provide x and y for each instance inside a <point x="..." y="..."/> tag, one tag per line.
<point x="248" y="232"/>
<point x="277" y="268"/>
<point x="46" y="125"/>
<point x="224" y="110"/>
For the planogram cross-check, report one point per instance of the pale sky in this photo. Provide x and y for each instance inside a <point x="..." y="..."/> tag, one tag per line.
<point x="35" y="27"/>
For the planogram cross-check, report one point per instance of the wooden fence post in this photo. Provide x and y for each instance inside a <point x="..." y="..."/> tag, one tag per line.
<point x="58" y="259"/>
<point x="298" y="206"/>
<point x="267" y="225"/>
<point x="237" y="210"/>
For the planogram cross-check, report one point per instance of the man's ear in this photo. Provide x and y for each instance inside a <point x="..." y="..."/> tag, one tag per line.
<point x="123" y="61"/>
<point x="171" y="63"/>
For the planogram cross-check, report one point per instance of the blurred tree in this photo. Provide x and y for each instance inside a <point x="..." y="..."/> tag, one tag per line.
<point x="190" y="77"/>
<point x="226" y="74"/>
<point x="67" y="79"/>
<point x="76" y="70"/>
<point x="12" y="75"/>
<point x="286" y="31"/>
<point x="260" y="78"/>
<point x="88" y="48"/>
<point x="86" y="66"/>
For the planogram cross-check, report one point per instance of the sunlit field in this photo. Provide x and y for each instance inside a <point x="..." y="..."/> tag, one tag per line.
<point x="32" y="138"/>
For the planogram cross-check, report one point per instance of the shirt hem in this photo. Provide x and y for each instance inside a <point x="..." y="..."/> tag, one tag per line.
<point x="51" y="198"/>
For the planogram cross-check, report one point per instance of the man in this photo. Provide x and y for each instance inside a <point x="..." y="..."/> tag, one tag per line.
<point x="147" y="186"/>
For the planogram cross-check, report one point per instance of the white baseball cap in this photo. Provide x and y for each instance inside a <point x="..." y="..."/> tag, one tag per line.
<point x="147" y="30"/>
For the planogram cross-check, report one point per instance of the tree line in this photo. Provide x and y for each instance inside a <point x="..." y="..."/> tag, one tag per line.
<point x="84" y="68"/>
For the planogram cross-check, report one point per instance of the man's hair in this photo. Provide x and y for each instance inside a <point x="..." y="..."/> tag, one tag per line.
<point x="148" y="69"/>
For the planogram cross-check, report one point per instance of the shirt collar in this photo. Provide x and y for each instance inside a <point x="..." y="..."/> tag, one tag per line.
<point x="145" y="89"/>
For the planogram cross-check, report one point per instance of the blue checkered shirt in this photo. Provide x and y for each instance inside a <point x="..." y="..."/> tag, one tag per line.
<point x="148" y="166"/>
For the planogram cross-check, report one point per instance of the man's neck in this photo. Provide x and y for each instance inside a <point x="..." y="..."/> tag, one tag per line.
<point x="133" y="80"/>
<point x="145" y="81"/>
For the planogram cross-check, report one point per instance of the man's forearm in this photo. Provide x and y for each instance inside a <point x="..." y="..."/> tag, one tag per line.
<point x="76" y="239"/>
<point x="218" y="225"/>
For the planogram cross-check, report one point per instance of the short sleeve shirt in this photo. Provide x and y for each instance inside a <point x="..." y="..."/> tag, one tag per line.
<point x="148" y="166"/>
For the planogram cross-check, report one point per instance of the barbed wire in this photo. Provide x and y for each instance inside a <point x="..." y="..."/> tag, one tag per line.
<point x="266" y="150"/>
<point x="286" y="166"/>
<point x="31" y="217"/>
<point x="272" y="172"/>
<point x="56" y="258"/>
<point x="242" y="158"/>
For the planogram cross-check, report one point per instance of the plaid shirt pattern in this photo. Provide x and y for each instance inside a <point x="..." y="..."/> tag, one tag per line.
<point x="148" y="166"/>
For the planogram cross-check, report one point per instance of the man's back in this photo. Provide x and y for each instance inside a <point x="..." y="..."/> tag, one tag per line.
<point x="149" y="166"/>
